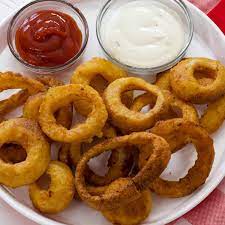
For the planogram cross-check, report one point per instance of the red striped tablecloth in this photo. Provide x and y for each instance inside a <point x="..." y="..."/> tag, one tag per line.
<point x="212" y="210"/>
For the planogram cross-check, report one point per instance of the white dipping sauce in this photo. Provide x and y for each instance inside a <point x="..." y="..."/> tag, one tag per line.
<point x="143" y="34"/>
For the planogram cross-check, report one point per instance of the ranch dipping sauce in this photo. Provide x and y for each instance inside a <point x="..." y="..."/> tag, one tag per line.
<point x="144" y="34"/>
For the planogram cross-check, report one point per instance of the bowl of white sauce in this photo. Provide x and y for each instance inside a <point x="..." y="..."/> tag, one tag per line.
<point x="144" y="36"/>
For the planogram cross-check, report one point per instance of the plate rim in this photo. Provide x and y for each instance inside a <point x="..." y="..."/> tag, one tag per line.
<point x="43" y="220"/>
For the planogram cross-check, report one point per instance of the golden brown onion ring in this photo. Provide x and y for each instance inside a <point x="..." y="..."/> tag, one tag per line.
<point x="9" y="80"/>
<point x="177" y="107"/>
<point x="49" y="81"/>
<point x="62" y="96"/>
<point x="132" y="213"/>
<point x="60" y="192"/>
<point x="124" y="190"/>
<point x="119" y="163"/>
<point x="214" y="115"/>
<point x="163" y="80"/>
<point x="31" y="108"/>
<point x="27" y="134"/>
<point x="125" y="118"/>
<point x="188" y="132"/>
<point x="186" y="85"/>
<point x="88" y="74"/>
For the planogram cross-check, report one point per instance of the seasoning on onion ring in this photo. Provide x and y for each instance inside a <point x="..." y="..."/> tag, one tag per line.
<point x="125" y="118"/>
<point x="124" y="190"/>
<point x="49" y="81"/>
<point x="132" y="213"/>
<point x="61" y="96"/>
<point x="185" y="83"/>
<point x="184" y="132"/>
<point x="214" y="115"/>
<point x="119" y="162"/>
<point x="177" y="107"/>
<point x="10" y="80"/>
<point x="27" y="134"/>
<point x="31" y="110"/>
<point x="89" y="72"/>
<point x="163" y="80"/>
<point x="64" y="115"/>
<point x="60" y="192"/>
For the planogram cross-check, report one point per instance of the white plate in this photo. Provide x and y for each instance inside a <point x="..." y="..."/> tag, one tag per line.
<point x="208" y="41"/>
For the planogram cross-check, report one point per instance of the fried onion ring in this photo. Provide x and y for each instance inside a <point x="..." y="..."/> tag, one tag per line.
<point x="132" y="213"/>
<point x="31" y="108"/>
<point x="60" y="192"/>
<point x="214" y="115"/>
<point x="89" y="71"/>
<point x="27" y="134"/>
<point x="124" y="190"/>
<point x="62" y="96"/>
<point x="119" y="162"/>
<point x="187" y="132"/>
<point x="163" y="80"/>
<point x="9" y="80"/>
<point x="186" y="86"/>
<point x="176" y="106"/>
<point x="49" y="81"/>
<point x="125" y="118"/>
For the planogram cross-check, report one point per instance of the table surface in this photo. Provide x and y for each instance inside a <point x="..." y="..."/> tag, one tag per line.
<point x="12" y="217"/>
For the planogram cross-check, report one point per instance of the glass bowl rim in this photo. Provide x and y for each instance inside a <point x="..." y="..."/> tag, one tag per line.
<point x="162" y="67"/>
<point x="52" y="68"/>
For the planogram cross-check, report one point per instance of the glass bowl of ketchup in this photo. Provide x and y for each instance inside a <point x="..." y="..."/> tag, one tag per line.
<point x="48" y="36"/>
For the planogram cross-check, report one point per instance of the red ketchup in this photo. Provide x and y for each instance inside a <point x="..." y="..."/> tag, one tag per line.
<point x="48" y="38"/>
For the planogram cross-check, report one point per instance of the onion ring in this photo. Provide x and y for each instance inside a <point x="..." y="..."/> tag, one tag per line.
<point x="27" y="134"/>
<point x="9" y="80"/>
<point x="31" y="108"/>
<point x="186" y="86"/>
<point x="124" y="190"/>
<point x="89" y="71"/>
<point x="163" y="80"/>
<point x="118" y="163"/>
<point x="61" y="96"/>
<point x="185" y="131"/>
<point x="133" y="213"/>
<point x="49" y="81"/>
<point x="214" y="115"/>
<point x="125" y="118"/>
<point x="60" y="192"/>
<point x="176" y="106"/>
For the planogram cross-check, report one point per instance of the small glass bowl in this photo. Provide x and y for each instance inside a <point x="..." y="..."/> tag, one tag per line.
<point x="57" y="5"/>
<point x="176" y="5"/>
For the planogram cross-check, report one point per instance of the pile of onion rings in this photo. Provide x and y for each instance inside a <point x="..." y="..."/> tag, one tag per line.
<point x="135" y="143"/>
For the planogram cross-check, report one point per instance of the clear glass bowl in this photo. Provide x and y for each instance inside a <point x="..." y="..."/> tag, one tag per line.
<point x="57" y="5"/>
<point x="176" y="5"/>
